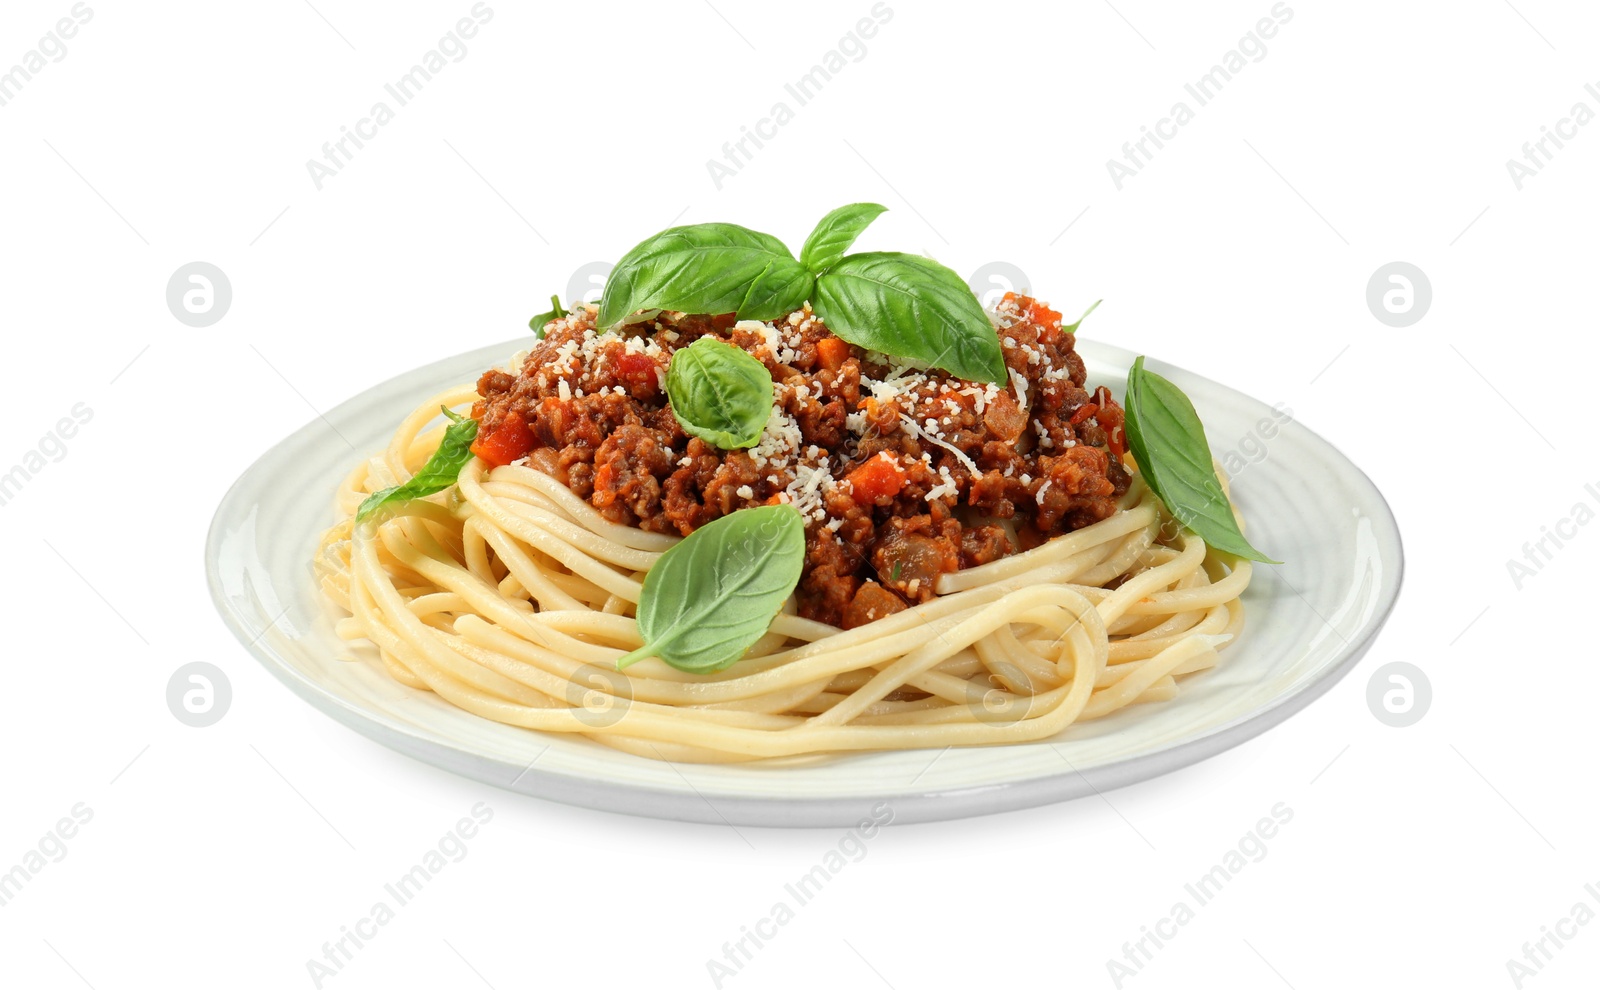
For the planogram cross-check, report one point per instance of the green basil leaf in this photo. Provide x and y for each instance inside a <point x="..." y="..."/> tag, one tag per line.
<point x="1167" y="440"/>
<point x="1074" y="327"/>
<point x="719" y="393"/>
<point x="706" y="268"/>
<point x="781" y="289"/>
<point x="557" y="311"/>
<point x="835" y="233"/>
<point x="710" y="597"/>
<point x="911" y="307"/>
<point x="441" y="471"/>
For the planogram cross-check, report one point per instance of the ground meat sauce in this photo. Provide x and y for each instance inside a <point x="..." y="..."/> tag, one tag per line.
<point x="902" y="473"/>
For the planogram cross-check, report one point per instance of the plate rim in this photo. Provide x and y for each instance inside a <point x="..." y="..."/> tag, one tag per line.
<point x="814" y="812"/>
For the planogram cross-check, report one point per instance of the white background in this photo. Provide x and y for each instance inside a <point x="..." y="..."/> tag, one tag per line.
<point x="1369" y="133"/>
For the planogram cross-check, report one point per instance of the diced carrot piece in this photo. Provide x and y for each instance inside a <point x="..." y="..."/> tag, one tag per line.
<point x="605" y="492"/>
<point x="1043" y="315"/>
<point x="1036" y="311"/>
<point x="832" y="353"/>
<point x="881" y="477"/>
<point x="508" y="441"/>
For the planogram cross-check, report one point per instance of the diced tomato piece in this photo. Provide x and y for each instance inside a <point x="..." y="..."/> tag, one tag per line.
<point x="881" y="477"/>
<point x="724" y="321"/>
<point x="1084" y="412"/>
<point x="508" y="441"/>
<point x="630" y="364"/>
<point x="639" y="371"/>
<point x="832" y="353"/>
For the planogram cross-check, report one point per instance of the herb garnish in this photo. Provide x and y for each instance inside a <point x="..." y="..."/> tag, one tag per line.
<point x="1167" y="440"/>
<point x="706" y="268"/>
<point x="1073" y="327"/>
<point x="557" y="311"/>
<point x="911" y="307"/>
<point x="903" y="305"/>
<point x="710" y="597"/>
<point x="719" y="393"/>
<point x="835" y="233"/>
<point x="441" y="471"/>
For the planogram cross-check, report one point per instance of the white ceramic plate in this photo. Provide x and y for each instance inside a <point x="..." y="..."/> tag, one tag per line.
<point x="1308" y="622"/>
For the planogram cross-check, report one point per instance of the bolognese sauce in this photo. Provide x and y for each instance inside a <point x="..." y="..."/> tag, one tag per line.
<point x="902" y="472"/>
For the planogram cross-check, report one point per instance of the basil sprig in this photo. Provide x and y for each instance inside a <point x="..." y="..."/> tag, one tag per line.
<point x="903" y="305"/>
<point x="706" y="268"/>
<point x="835" y="233"/>
<point x="719" y="393"/>
<point x="710" y="597"/>
<point x="441" y="471"/>
<point x="1170" y="445"/>
<point x="557" y="311"/>
<point x="1073" y="327"/>
<point x="911" y="307"/>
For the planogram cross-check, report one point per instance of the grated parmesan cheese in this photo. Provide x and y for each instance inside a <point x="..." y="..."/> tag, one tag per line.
<point x="1019" y="381"/>
<point x="805" y="491"/>
<point x="945" y="487"/>
<point x="780" y="351"/>
<point x="779" y="438"/>
<point x="917" y="431"/>
<point x="886" y="391"/>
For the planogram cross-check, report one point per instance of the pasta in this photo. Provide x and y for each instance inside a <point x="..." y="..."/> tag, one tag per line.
<point x="512" y="598"/>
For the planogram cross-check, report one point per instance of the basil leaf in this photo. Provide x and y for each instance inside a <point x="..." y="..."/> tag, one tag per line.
<point x="1167" y="440"/>
<point x="441" y="471"/>
<point x="710" y="597"/>
<point x="557" y="311"/>
<point x="706" y="268"/>
<point x="719" y="393"/>
<point x="911" y="307"/>
<point x="781" y="289"/>
<point x="835" y="233"/>
<point x="1074" y="327"/>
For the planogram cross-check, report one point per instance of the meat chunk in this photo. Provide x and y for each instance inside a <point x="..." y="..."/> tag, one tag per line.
<point x="829" y="581"/>
<point x="984" y="545"/>
<point x="629" y="467"/>
<point x="872" y="601"/>
<point x="909" y="558"/>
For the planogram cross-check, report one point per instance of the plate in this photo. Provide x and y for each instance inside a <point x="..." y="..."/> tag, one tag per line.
<point x="1308" y="622"/>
